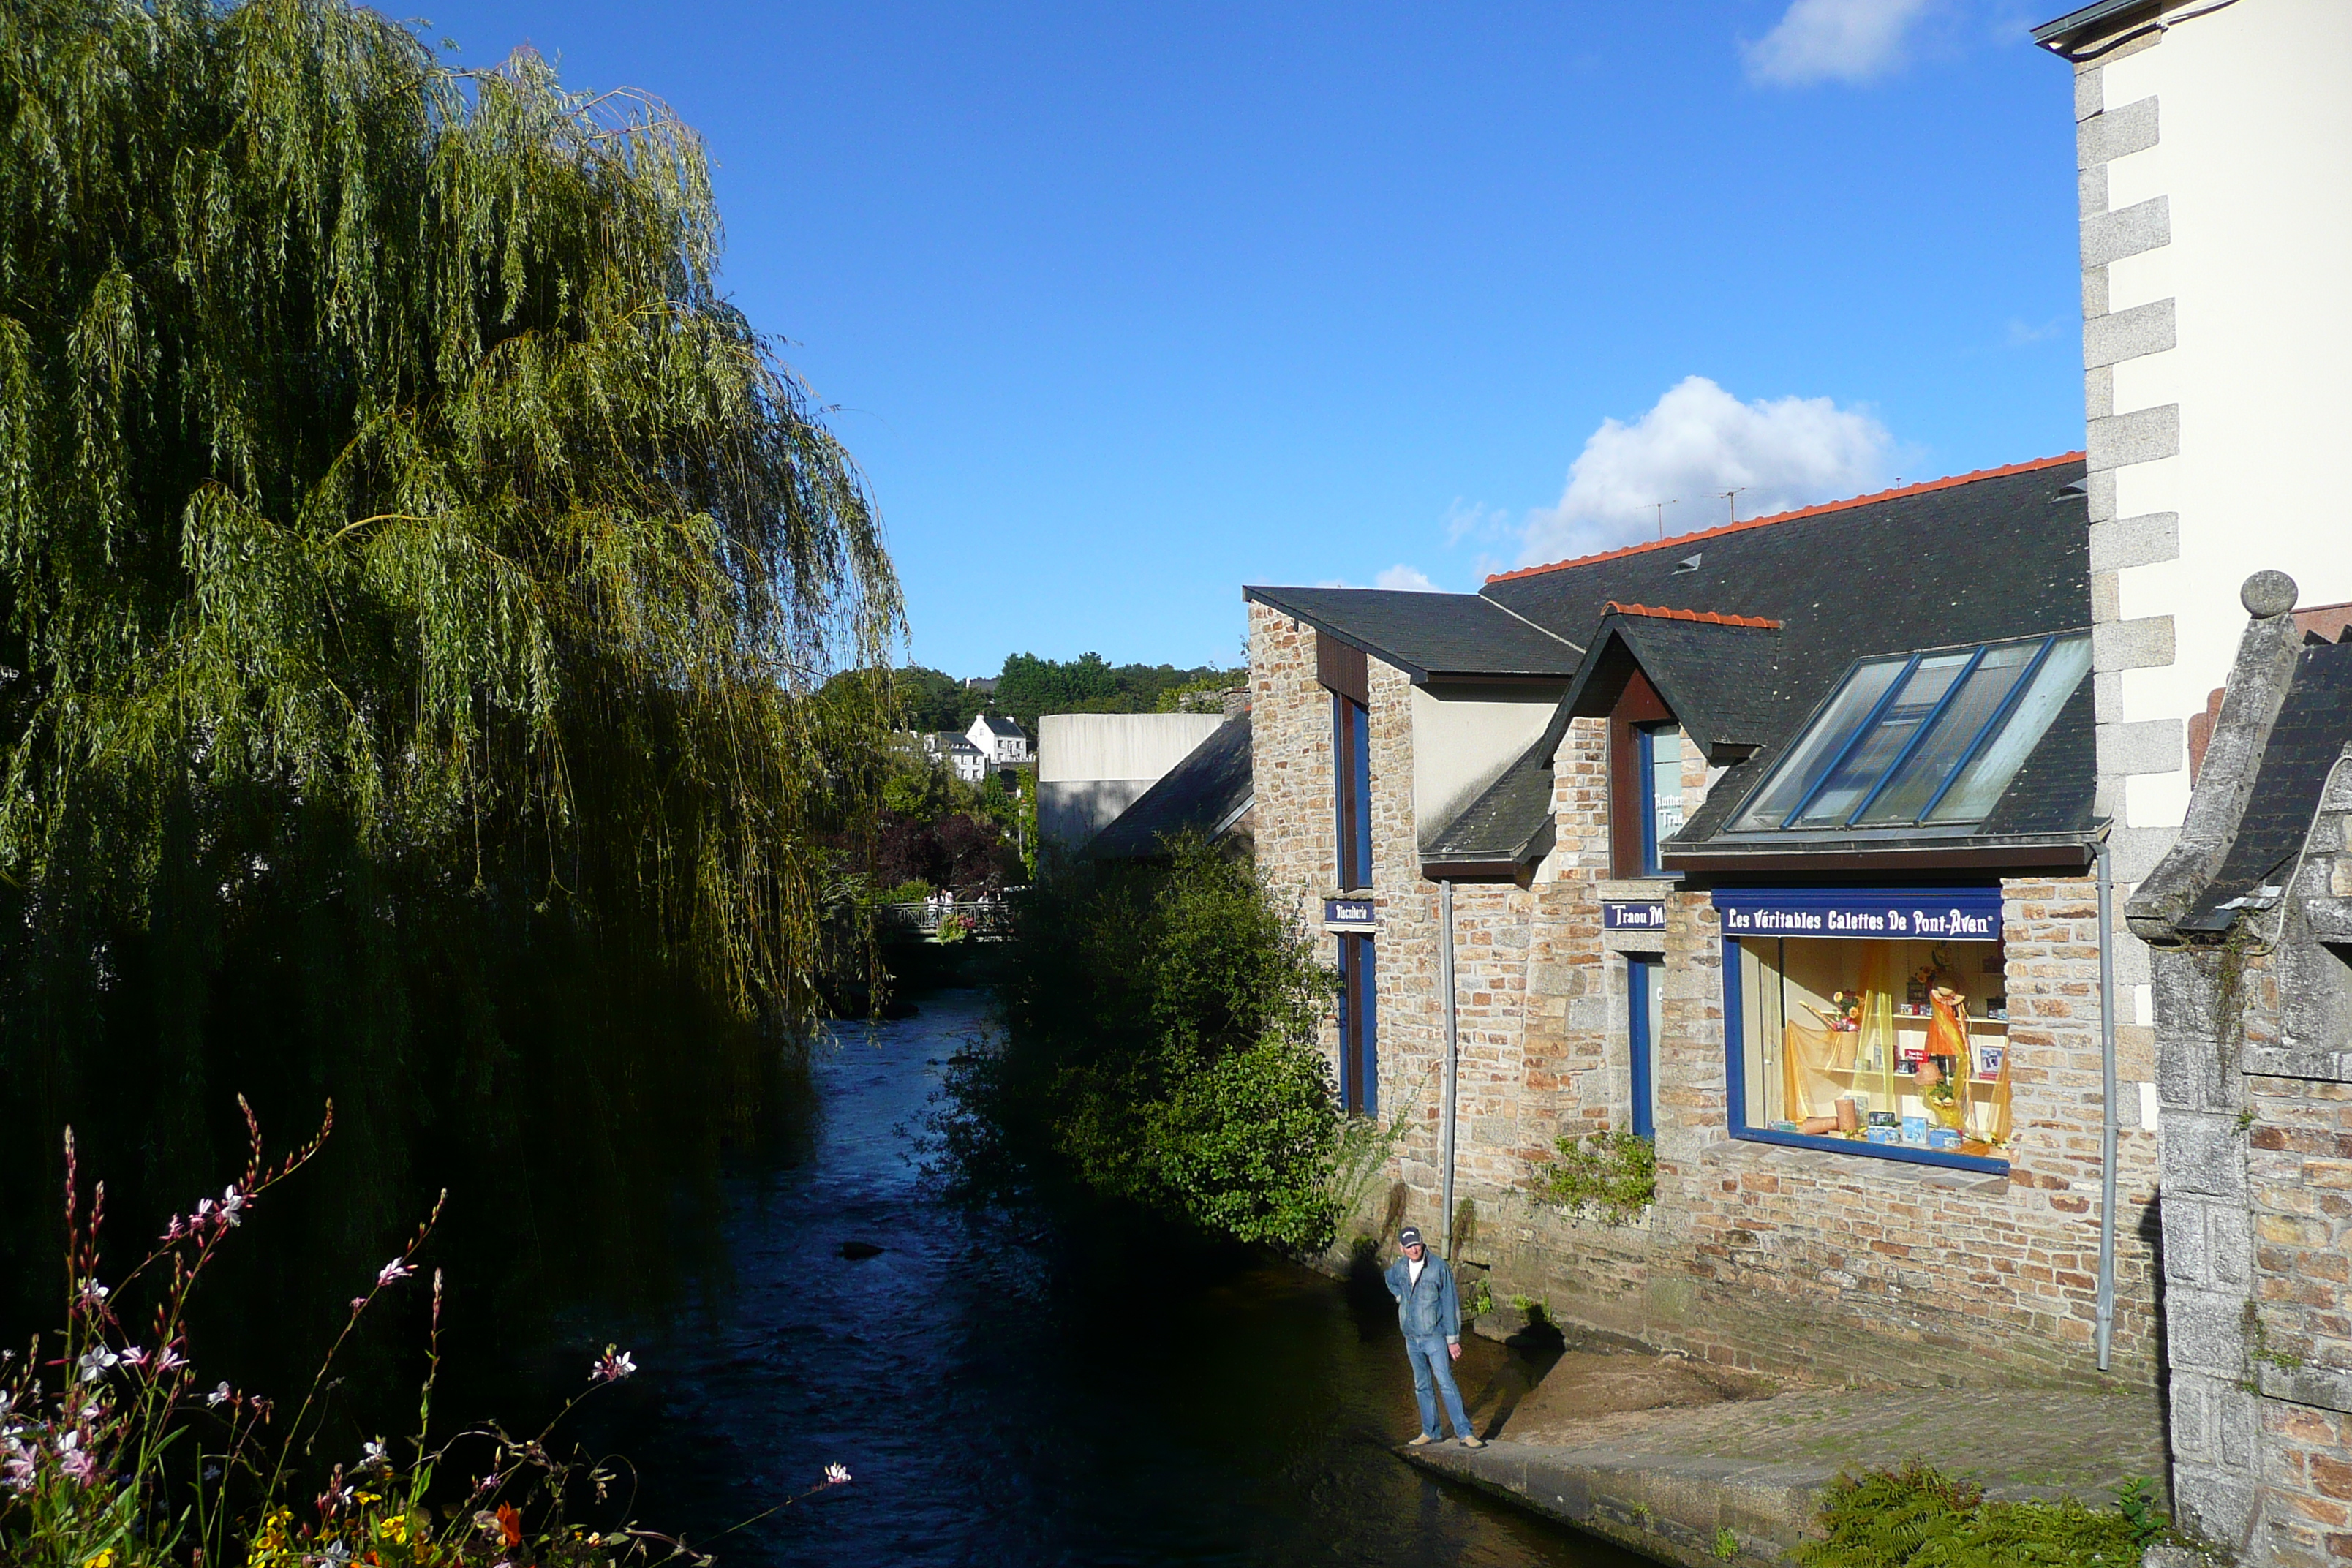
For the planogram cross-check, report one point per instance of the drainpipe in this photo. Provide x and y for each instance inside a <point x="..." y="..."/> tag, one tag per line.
<point x="1453" y="1033"/>
<point x="2106" y="1102"/>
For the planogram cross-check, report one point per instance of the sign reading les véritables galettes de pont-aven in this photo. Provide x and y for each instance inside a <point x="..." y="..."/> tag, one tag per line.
<point x="1632" y="917"/>
<point x="1947" y="914"/>
<point x="1359" y="912"/>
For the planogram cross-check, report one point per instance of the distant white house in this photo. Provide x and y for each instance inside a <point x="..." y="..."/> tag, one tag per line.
<point x="950" y="750"/>
<point x="1000" y="741"/>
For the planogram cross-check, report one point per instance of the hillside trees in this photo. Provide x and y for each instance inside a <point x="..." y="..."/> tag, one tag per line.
<point x="413" y="573"/>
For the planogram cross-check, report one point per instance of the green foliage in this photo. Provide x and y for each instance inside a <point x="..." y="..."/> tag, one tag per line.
<point x="1031" y="686"/>
<point x="1726" y="1544"/>
<point x="410" y="565"/>
<point x="1161" y="1050"/>
<point x="1916" y="1517"/>
<point x="1615" y="1175"/>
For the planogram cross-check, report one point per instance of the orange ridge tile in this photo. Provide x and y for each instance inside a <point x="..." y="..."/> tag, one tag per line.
<point x="1711" y="617"/>
<point x="1921" y="488"/>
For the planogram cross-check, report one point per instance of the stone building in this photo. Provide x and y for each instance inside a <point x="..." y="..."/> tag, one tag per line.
<point x="1773" y="844"/>
<point x="2250" y="921"/>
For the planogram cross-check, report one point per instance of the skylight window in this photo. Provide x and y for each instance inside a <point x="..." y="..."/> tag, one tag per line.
<point x="1930" y="737"/>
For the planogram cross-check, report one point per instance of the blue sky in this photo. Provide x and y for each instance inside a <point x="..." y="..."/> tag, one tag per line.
<point x="1124" y="306"/>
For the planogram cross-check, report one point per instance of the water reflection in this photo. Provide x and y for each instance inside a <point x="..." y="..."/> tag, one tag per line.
<point x="1005" y="1396"/>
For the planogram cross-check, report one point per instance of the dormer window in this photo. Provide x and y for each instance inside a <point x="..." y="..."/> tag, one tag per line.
<point x="1658" y="771"/>
<point x="1928" y="738"/>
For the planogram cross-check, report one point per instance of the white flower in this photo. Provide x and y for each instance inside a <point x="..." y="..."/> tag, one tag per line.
<point x="372" y="1454"/>
<point x="611" y="1366"/>
<point x="169" y="1360"/>
<point x="836" y="1475"/>
<point x="97" y="1361"/>
<point x="232" y="1202"/>
<point x="218" y="1394"/>
<point x="92" y="1292"/>
<point x="393" y="1272"/>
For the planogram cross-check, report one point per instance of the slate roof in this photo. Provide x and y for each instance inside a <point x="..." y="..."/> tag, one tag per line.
<point x="1207" y="791"/>
<point x="1720" y="676"/>
<point x="1000" y="725"/>
<point x="1429" y="635"/>
<point x="1510" y="822"/>
<point x="2314" y="723"/>
<point x="1979" y="558"/>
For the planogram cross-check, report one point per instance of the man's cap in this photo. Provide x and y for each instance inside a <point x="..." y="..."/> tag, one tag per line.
<point x="1409" y="1236"/>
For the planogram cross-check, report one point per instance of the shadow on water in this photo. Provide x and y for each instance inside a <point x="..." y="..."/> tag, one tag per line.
<point x="1004" y="1395"/>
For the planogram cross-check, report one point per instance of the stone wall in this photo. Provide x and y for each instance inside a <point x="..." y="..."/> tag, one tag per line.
<point x="1821" y="1263"/>
<point x="1786" y="1260"/>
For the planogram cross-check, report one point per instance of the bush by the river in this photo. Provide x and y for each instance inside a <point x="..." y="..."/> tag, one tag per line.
<point x="1916" y="1517"/>
<point x="1160" y="1049"/>
<point x="117" y="1452"/>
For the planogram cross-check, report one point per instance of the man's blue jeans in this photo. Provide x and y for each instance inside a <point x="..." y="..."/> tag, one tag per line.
<point x="1431" y="1364"/>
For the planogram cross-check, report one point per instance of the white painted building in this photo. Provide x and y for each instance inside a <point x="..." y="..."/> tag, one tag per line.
<point x="1000" y="741"/>
<point x="2214" y="142"/>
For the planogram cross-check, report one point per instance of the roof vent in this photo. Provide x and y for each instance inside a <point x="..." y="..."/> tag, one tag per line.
<point x="2068" y="492"/>
<point x="1689" y="563"/>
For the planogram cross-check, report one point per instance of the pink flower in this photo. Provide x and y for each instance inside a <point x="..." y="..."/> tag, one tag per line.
<point x="836" y="1475"/>
<point x="134" y="1356"/>
<point x="611" y="1366"/>
<point x="392" y="1273"/>
<point x="219" y="1395"/>
<point x="76" y="1461"/>
<point x="169" y="1360"/>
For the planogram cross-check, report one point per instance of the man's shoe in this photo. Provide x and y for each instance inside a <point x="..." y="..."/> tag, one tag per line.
<point x="1473" y="1442"/>
<point x="1423" y="1441"/>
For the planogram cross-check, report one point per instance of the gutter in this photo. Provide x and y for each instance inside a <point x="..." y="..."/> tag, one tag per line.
<point x="2106" y="1311"/>
<point x="1452" y="1039"/>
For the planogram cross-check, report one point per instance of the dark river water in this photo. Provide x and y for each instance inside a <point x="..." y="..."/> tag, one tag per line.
<point x="1003" y="1395"/>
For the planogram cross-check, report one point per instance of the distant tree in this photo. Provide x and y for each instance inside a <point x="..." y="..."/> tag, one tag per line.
<point x="1031" y="686"/>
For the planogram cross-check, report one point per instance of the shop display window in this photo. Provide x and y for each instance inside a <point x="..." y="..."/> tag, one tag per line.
<point x="1901" y="1044"/>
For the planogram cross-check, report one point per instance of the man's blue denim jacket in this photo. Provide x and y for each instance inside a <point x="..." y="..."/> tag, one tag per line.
<point x="1426" y="1306"/>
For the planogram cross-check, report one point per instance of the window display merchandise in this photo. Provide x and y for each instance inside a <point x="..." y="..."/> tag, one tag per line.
<point x="1892" y="1041"/>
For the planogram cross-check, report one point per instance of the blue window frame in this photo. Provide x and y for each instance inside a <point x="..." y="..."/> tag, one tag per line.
<point x="1359" y="1059"/>
<point x="1351" y="778"/>
<point x="1660" y="769"/>
<point x="1764" y="931"/>
<point x="1644" y="1006"/>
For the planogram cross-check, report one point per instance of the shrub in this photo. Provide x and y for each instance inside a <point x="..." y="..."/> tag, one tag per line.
<point x="1161" y="1049"/>
<point x="1916" y="1517"/>
<point x="1613" y="1173"/>
<point x="126" y="1461"/>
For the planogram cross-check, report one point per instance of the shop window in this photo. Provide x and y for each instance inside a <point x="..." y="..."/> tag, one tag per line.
<point x="1645" y="1006"/>
<point x="1869" y="1020"/>
<point x="1658" y="768"/>
<point x="1351" y="768"/>
<point x="1359" y="1068"/>
<point x="1928" y="738"/>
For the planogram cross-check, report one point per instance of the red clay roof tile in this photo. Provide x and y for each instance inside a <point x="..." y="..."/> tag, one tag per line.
<point x="1710" y="616"/>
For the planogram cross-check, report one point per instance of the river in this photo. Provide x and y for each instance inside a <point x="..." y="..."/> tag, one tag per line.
<point x="1003" y="1395"/>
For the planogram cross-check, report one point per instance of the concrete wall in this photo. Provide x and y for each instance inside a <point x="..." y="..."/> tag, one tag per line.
<point x="1092" y="766"/>
<point x="2216" y="331"/>
<point x="1465" y="736"/>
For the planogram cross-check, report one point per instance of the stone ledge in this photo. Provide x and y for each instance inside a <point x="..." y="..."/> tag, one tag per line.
<point x="1736" y="1153"/>
<point x="1667" y="1507"/>
<point x="2329" y="1388"/>
<point x="2284" y="1061"/>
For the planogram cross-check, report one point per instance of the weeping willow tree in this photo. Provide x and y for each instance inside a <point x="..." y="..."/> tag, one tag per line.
<point x="415" y="582"/>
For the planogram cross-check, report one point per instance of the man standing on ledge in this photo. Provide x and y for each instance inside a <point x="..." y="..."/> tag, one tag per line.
<point x="1431" y="1316"/>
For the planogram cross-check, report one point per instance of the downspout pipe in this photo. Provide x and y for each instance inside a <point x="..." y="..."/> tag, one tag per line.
<point x="2106" y="1323"/>
<point x="1453" y="1033"/>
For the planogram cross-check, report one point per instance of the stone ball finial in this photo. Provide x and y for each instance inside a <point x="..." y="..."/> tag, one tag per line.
<point x="2268" y="594"/>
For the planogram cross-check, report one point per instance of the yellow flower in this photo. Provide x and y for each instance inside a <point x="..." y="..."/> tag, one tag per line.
<point x="104" y="1559"/>
<point x="396" y="1529"/>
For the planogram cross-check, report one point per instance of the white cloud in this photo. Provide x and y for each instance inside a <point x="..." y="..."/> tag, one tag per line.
<point x="1412" y="579"/>
<point x="1834" y="40"/>
<point x="1697" y="442"/>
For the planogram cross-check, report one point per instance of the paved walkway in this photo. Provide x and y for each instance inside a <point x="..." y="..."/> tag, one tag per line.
<point x="1670" y="1481"/>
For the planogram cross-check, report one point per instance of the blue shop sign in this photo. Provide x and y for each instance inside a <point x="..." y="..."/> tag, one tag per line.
<point x="1356" y="913"/>
<point x="1944" y="914"/>
<point x="1632" y="917"/>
